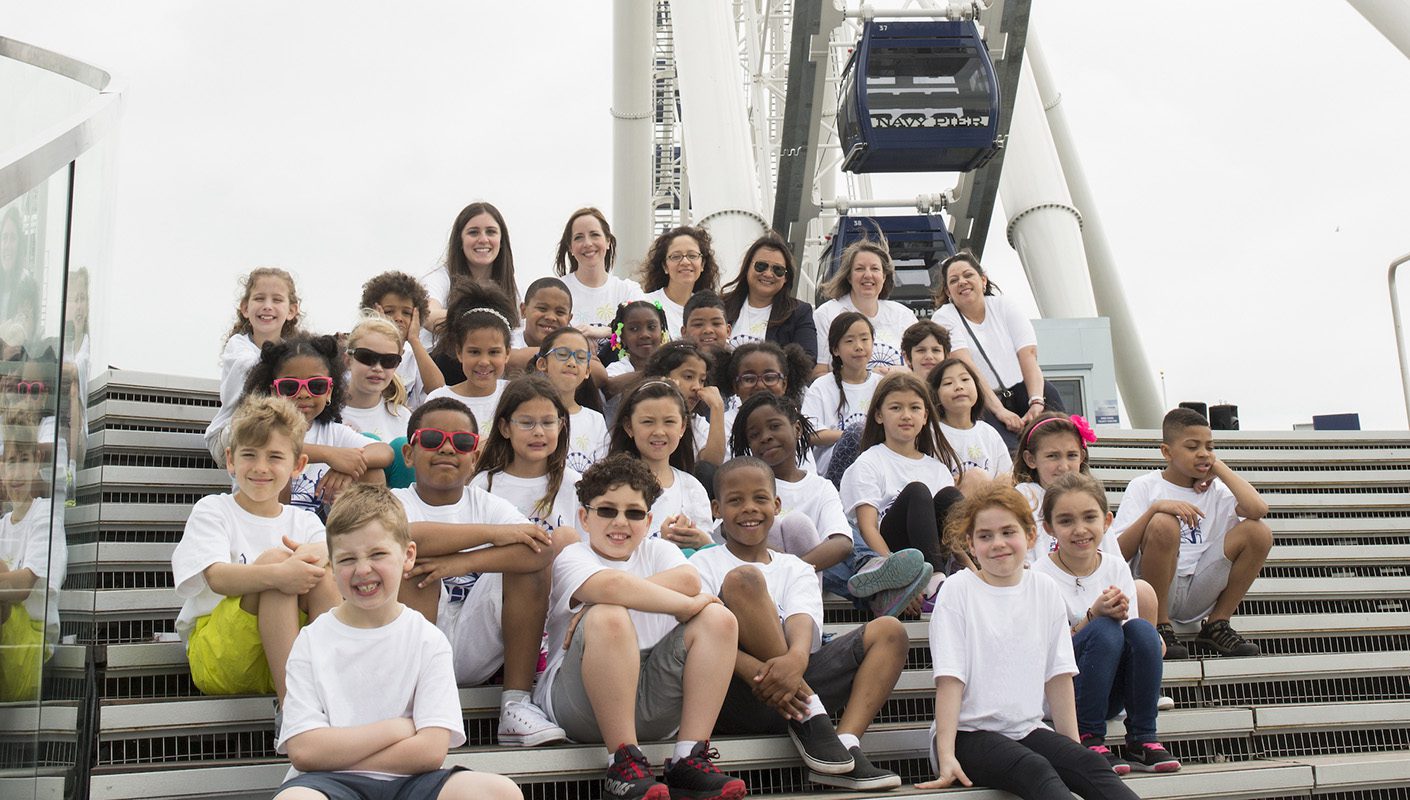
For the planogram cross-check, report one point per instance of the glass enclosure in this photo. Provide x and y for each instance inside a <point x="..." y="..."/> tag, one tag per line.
<point x="55" y="224"/>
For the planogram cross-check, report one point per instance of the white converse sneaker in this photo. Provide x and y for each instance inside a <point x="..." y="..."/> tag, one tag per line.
<point x="524" y="724"/>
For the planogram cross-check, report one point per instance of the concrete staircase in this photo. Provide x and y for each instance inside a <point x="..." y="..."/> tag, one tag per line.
<point x="1325" y="713"/>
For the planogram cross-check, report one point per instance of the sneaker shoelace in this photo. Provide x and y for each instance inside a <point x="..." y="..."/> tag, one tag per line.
<point x="702" y="759"/>
<point x="1155" y="747"/>
<point x="636" y="767"/>
<point x="1099" y="749"/>
<point x="1223" y="634"/>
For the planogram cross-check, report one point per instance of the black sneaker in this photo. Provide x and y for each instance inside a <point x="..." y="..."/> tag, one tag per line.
<point x="697" y="778"/>
<point x="1221" y="636"/>
<point x="819" y="746"/>
<point x="1174" y="651"/>
<point x="630" y="777"/>
<point x="1119" y="766"/>
<point x="1151" y="757"/>
<point x="864" y="777"/>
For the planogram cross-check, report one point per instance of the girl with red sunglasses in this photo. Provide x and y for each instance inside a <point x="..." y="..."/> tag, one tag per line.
<point x="306" y="369"/>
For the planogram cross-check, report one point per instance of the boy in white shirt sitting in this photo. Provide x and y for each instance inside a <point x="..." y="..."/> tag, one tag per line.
<point x="1194" y="531"/>
<point x="785" y="678"/>
<point x="637" y="649"/>
<point x="482" y="568"/>
<point x="251" y="569"/>
<point x="372" y="707"/>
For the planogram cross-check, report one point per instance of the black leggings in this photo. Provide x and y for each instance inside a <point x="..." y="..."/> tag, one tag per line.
<point x="916" y="518"/>
<point x="1043" y="765"/>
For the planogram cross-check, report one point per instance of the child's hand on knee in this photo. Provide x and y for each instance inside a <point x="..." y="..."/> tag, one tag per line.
<point x="297" y="576"/>
<point x="694" y="605"/>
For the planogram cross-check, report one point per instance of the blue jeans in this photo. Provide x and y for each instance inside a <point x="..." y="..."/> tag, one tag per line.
<point x="834" y="578"/>
<point x="1119" y="667"/>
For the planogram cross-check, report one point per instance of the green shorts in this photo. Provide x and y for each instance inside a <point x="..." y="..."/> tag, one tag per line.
<point x="22" y="654"/>
<point x="226" y="653"/>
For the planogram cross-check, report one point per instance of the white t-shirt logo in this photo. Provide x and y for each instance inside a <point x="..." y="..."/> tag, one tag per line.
<point x="884" y="355"/>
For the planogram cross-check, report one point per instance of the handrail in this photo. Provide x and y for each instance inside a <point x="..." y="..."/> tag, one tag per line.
<point x="34" y="160"/>
<point x="1400" y="333"/>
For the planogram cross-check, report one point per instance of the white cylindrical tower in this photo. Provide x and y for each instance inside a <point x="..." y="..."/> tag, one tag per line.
<point x="631" y="132"/>
<point x="719" y="157"/>
<point x="1134" y="376"/>
<point x="1044" y="227"/>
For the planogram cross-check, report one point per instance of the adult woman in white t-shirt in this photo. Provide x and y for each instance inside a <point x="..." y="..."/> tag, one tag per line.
<point x="584" y="262"/>
<point x="863" y="284"/>
<point x="759" y="302"/>
<point x="478" y="249"/>
<point x="679" y="263"/>
<point x="998" y="340"/>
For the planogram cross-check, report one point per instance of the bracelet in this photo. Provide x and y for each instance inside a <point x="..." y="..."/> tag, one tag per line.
<point x="1038" y="401"/>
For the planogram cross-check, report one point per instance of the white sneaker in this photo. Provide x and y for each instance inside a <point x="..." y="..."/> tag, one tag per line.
<point x="1165" y="703"/>
<point x="525" y="724"/>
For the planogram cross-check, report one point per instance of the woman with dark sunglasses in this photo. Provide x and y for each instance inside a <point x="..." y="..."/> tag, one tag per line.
<point x="759" y="302"/>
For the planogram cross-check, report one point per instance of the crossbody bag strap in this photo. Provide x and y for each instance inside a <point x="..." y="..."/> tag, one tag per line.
<point x="1002" y="387"/>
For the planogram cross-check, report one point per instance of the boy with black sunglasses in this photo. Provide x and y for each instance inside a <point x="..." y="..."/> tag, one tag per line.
<point x="637" y="651"/>
<point x="482" y="568"/>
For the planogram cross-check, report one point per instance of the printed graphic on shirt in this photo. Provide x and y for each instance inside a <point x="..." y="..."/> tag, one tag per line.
<point x="884" y="355"/>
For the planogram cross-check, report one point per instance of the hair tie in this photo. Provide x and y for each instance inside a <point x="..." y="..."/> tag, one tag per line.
<point x="1084" y="430"/>
<point x="487" y="310"/>
<point x="614" y="341"/>
<point x="1085" y="434"/>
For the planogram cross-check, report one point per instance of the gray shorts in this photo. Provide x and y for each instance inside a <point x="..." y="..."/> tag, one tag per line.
<point x="658" y="690"/>
<point x="346" y="786"/>
<point x="1193" y="596"/>
<point x="830" y="672"/>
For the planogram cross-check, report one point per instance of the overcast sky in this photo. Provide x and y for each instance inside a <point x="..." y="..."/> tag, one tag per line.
<point x="1250" y="167"/>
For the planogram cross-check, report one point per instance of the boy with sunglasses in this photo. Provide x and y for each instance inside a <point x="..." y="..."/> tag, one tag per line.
<point x="482" y="568"/>
<point x="637" y="651"/>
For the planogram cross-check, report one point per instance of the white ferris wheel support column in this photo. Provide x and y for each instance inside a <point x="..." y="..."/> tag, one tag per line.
<point x="1044" y="227"/>
<point x="719" y="154"/>
<point x="1133" y="373"/>
<point x="1390" y="17"/>
<point x="631" y="132"/>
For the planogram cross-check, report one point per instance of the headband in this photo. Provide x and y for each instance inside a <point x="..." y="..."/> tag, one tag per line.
<point x="1084" y="430"/>
<point x="487" y="310"/>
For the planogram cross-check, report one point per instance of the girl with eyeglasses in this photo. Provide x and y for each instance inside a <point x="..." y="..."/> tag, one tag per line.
<point x="565" y="359"/>
<point x="651" y="425"/>
<point x="307" y="370"/>
<point x="759" y="302"/>
<point x="525" y="455"/>
<point x="376" y="402"/>
<point x="679" y="263"/>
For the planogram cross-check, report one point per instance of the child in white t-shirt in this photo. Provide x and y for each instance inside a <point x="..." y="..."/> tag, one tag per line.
<point x="482" y="568"/>
<point x="402" y="299"/>
<point x="651" y="425"/>
<point x="898" y="492"/>
<point x="249" y="568"/>
<point x="1195" y="531"/>
<point x="811" y="523"/>
<point x="308" y="370"/>
<point x="33" y="561"/>
<point x="841" y="398"/>
<point x="268" y="311"/>
<point x="1118" y="653"/>
<point x="785" y="678"/>
<point x="524" y="456"/>
<point x="1001" y="649"/>
<point x="566" y="360"/>
<point x="382" y="729"/>
<point x="689" y="367"/>
<point x="476" y="333"/>
<point x="636" y="649"/>
<point x="978" y="446"/>
<point x="377" y="399"/>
